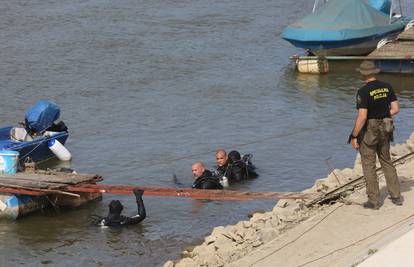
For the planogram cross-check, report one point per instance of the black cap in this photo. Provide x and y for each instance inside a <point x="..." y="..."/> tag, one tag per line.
<point x="115" y="207"/>
<point x="234" y="156"/>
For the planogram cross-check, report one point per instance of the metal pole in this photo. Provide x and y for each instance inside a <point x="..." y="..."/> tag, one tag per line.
<point x="315" y="4"/>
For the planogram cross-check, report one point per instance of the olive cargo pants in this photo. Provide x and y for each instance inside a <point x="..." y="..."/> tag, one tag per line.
<point x="376" y="141"/>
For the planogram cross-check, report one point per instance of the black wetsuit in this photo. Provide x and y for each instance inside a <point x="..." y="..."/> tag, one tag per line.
<point x="239" y="171"/>
<point x="207" y="181"/>
<point x="221" y="170"/>
<point x="116" y="219"/>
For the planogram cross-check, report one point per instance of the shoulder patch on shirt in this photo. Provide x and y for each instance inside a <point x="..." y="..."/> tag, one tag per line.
<point x="359" y="100"/>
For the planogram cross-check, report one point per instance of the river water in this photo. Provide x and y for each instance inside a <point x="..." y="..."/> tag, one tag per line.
<point x="147" y="88"/>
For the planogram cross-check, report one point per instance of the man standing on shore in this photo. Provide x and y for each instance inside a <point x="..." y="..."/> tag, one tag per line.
<point x="372" y="133"/>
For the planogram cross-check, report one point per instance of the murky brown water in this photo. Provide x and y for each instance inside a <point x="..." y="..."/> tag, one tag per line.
<point x="143" y="83"/>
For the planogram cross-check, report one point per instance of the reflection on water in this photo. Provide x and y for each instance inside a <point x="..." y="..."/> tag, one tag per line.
<point x="143" y="85"/>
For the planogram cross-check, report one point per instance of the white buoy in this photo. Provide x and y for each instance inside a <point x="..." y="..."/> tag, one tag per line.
<point x="59" y="150"/>
<point x="317" y="66"/>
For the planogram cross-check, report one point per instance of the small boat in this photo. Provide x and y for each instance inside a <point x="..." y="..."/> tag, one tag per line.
<point x="345" y="27"/>
<point x="33" y="138"/>
<point x="37" y="149"/>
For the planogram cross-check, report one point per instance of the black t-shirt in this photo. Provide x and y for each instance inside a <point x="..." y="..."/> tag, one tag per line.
<point x="376" y="96"/>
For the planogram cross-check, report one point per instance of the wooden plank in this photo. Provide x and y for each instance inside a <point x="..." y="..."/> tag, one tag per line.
<point x="397" y="49"/>
<point x="47" y="180"/>
<point x="16" y="189"/>
<point x="403" y="46"/>
<point x="407" y="34"/>
<point x="52" y="178"/>
<point x="31" y="184"/>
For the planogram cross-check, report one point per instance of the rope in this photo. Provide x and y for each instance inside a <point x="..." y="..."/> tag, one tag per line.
<point x="294" y="240"/>
<point x="22" y="157"/>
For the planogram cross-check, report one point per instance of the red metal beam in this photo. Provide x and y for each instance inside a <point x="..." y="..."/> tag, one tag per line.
<point x="189" y="192"/>
<point x="21" y="191"/>
<point x="156" y="191"/>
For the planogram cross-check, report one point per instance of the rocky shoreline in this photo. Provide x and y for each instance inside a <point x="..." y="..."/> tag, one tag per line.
<point x="228" y="244"/>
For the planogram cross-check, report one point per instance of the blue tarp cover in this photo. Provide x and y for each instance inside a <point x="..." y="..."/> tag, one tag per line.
<point x="339" y="20"/>
<point x="42" y="115"/>
<point x="381" y="5"/>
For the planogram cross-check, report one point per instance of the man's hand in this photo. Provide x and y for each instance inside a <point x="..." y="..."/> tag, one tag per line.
<point x="354" y="142"/>
<point x="138" y="193"/>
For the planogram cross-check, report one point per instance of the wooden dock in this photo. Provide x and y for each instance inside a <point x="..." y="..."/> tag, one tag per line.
<point x="43" y="182"/>
<point x="26" y="192"/>
<point x="402" y="47"/>
<point x="396" y="56"/>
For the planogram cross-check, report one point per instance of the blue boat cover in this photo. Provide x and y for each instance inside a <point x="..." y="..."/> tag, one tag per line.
<point x="42" y="115"/>
<point x="341" y="20"/>
<point x="382" y="5"/>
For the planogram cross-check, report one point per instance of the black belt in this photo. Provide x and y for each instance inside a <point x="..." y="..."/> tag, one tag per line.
<point x="378" y="119"/>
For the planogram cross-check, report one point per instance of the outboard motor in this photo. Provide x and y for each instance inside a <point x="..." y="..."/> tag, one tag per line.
<point x="41" y="116"/>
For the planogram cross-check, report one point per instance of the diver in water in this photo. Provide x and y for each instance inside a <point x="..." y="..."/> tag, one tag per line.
<point x="204" y="179"/>
<point x="238" y="168"/>
<point x="115" y="218"/>
<point x="222" y="167"/>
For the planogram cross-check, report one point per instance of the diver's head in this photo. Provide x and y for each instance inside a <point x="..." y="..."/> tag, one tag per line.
<point x="198" y="168"/>
<point x="221" y="157"/>
<point x="234" y="156"/>
<point x="115" y="207"/>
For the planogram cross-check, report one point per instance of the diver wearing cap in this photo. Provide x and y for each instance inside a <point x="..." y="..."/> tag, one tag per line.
<point x="239" y="168"/>
<point x="115" y="218"/>
<point x="204" y="179"/>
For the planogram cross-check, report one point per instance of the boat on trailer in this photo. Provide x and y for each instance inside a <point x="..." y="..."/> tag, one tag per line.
<point x="346" y="27"/>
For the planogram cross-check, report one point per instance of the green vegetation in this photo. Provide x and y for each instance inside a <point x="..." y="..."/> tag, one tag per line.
<point x="372" y="251"/>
